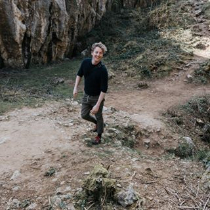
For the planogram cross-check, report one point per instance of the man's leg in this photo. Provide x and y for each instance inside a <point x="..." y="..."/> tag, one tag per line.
<point x="100" y="125"/>
<point x="85" y="111"/>
<point x="100" y="120"/>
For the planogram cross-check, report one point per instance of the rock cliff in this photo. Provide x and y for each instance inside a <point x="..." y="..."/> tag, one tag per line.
<point x="40" y="31"/>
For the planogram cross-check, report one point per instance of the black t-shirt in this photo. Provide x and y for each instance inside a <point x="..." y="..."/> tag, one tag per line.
<point x="96" y="77"/>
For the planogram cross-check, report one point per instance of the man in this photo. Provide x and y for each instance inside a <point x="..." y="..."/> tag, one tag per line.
<point x="95" y="88"/>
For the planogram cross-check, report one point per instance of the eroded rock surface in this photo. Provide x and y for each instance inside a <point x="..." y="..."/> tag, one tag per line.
<point x="40" y="31"/>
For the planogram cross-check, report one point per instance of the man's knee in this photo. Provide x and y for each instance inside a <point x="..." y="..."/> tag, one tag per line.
<point x="84" y="116"/>
<point x="99" y="116"/>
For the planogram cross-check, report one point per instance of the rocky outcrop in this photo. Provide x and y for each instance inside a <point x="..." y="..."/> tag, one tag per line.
<point x="40" y="31"/>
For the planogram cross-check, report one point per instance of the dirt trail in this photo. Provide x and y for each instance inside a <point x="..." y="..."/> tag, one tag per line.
<point x="161" y="94"/>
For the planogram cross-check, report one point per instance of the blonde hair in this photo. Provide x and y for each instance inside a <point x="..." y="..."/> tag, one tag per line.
<point x="99" y="44"/>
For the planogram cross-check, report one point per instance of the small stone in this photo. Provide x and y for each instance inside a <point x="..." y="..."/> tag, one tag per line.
<point x="189" y="78"/>
<point x="15" y="188"/>
<point x="113" y="109"/>
<point x="2" y="140"/>
<point x="70" y="206"/>
<point x="13" y="204"/>
<point x="198" y="12"/>
<point x="189" y="141"/>
<point x="135" y="159"/>
<point x="111" y="74"/>
<point x="149" y="198"/>
<point x="128" y="197"/>
<point x="32" y="206"/>
<point x="119" y="185"/>
<point x="200" y="20"/>
<point x="105" y="108"/>
<point x="75" y="103"/>
<point x="56" y="201"/>
<point x="142" y="85"/>
<point x="87" y="139"/>
<point x="87" y="173"/>
<point x="15" y="175"/>
<point x="4" y="118"/>
<point x="199" y="122"/>
<point x="146" y="143"/>
<point x="63" y="190"/>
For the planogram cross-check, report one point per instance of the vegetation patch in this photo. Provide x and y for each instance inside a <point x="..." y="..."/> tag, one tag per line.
<point x="33" y="87"/>
<point x="100" y="191"/>
<point x="206" y="10"/>
<point x="123" y="135"/>
<point x="202" y="74"/>
<point x="185" y="149"/>
<point x="170" y="14"/>
<point x="192" y="119"/>
<point x="203" y="156"/>
<point x="136" y="43"/>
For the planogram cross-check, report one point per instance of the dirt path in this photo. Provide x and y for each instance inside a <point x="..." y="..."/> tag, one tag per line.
<point x="160" y="96"/>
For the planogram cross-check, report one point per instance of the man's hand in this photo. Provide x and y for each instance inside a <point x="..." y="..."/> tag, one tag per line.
<point x="75" y="92"/>
<point x="94" y="110"/>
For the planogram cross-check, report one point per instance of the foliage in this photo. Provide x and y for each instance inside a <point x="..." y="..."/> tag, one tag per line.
<point x="98" y="189"/>
<point x="192" y="119"/>
<point x="170" y="14"/>
<point x="126" y="134"/>
<point x="35" y="86"/>
<point x="206" y="9"/>
<point x="204" y="156"/>
<point x="202" y="74"/>
<point x="135" y="44"/>
<point x="184" y="150"/>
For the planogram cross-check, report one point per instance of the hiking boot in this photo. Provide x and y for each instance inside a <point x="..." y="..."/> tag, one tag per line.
<point x="96" y="141"/>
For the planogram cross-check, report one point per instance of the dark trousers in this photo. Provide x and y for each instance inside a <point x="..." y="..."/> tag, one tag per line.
<point x="88" y="102"/>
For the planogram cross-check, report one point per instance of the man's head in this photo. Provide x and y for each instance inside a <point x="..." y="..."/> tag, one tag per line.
<point x="97" y="52"/>
<point x="100" y="45"/>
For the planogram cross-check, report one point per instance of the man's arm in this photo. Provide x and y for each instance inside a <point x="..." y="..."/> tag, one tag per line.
<point x="75" y="91"/>
<point x="96" y="107"/>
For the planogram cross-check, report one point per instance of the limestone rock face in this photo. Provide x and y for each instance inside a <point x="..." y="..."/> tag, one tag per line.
<point x="40" y="31"/>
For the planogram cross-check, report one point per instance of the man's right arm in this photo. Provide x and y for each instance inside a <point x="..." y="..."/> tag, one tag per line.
<point x="75" y="91"/>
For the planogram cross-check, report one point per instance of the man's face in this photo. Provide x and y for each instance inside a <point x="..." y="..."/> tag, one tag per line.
<point x="97" y="54"/>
